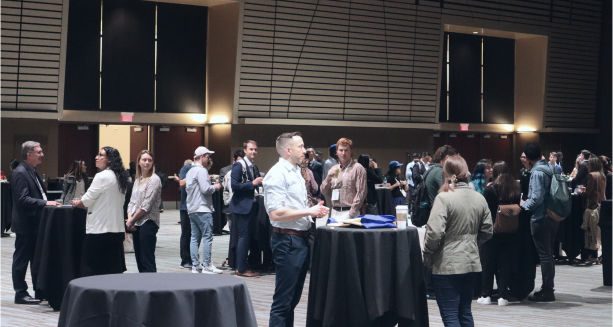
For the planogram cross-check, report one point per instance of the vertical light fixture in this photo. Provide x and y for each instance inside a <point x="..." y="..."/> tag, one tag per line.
<point x="155" y="62"/>
<point x="447" y="80"/>
<point x="482" y="42"/>
<point x="100" y="59"/>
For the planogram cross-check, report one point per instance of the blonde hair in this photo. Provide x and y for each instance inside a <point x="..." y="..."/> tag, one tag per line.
<point x="139" y="173"/>
<point x="454" y="171"/>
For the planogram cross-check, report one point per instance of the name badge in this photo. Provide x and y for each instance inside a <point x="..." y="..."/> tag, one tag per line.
<point x="336" y="194"/>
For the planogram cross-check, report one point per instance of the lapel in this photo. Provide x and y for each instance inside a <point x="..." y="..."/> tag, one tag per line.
<point x="34" y="177"/>
<point x="256" y="172"/>
<point x="248" y="171"/>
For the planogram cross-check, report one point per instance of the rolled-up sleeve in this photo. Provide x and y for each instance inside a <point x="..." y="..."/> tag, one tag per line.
<point x="360" y="191"/>
<point x="152" y="192"/>
<point x="275" y="192"/>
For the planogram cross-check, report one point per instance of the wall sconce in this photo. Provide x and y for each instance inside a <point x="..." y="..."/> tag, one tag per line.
<point x="198" y="118"/>
<point x="526" y="129"/>
<point x="219" y="119"/>
<point x="508" y="127"/>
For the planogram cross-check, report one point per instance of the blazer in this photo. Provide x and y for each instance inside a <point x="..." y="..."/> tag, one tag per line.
<point x="27" y="199"/>
<point x="243" y="191"/>
<point x="104" y="204"/>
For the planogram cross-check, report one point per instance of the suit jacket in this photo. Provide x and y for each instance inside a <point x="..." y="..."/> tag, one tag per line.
<point x="28" y="201"/>
<point x="243" y="190"/>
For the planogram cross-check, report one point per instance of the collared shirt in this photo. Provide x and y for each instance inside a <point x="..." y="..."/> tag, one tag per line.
<point x="199" y="190"/>
<point x="329" y="163"/>
<point x="351" y="183"/>
<point x="284" y="187"/>
<point x="250" y="171"/>
<point x="409" y="173"/>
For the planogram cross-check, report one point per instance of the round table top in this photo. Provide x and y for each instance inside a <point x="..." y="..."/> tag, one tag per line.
<point x="330" y="229"/>
<point x="156" y="282"/>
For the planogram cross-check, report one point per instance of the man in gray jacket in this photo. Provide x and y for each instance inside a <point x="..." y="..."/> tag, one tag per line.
<point x="200" y="210"/>
<point x="542" y="227"/>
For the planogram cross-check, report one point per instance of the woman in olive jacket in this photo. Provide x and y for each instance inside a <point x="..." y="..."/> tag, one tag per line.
<point x="460" y="220"/>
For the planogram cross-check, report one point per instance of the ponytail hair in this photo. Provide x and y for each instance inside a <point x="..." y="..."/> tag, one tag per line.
<point x="454" y="171"/>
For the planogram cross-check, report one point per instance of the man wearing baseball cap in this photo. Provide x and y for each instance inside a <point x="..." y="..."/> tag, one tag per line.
<point x="200" y="210"/>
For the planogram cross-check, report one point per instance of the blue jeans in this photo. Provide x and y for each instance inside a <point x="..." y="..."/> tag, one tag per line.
<point x="291" y="257"/>
<point x="543" y="234"/>
<point x="454" y="294"/>
<point x="202" y="228"/>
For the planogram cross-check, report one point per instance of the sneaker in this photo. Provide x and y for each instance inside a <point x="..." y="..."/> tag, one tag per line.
<point x="542" y="296"/>
<point x="196" y="270"/>
<point x="211" y="270"/>
<point x="186" y="265"/>
<point x="502" y="302"/>
<point x="484" y="300"/>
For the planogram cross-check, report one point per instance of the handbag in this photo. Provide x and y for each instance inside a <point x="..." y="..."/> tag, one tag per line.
<point x="507" y="218"/>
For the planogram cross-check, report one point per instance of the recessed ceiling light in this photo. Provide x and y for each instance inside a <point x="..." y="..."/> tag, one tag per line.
<point x="475" y="32"/>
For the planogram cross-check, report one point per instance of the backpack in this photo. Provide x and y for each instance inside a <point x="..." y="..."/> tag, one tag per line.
<point x="558" y="201"/>
<point x="421" y="205"/>
<point x="227" y="188"/>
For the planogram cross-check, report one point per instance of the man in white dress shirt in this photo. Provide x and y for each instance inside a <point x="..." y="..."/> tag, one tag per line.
<point x="285" y="198"/>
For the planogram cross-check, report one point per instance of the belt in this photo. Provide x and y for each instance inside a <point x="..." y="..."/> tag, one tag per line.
<point x="341" y="208"/>
<point x="292" y="232"/>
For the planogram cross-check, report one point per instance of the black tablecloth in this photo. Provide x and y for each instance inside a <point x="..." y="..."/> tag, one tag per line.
<point x="58" y="251"/>
<point x="7" y="207"/>
<point x="365" y="277"/>
<point x="385" y="202"/>
<point x="157" y="299"/>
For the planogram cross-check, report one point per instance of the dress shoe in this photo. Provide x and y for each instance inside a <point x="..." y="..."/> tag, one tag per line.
<point x="542" y="296"/>
<point x="247" y="273"/>
<point x="26" y="299"/>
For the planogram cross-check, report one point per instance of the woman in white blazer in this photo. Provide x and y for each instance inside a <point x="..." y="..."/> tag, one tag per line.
<point x="104" y="230"/>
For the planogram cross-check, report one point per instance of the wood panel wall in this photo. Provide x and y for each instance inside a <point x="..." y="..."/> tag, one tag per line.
<point x="380" y="60"/>
<point x="31" y="42"/>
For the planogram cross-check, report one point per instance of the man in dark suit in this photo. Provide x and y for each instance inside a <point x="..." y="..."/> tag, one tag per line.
<point x="245" y="180"/>
<point x="29" y="198"/>
<point x="315" y="166"/>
